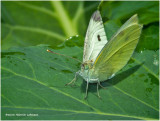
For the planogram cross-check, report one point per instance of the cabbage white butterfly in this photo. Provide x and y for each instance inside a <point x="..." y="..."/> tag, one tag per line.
<point x="103" y="58"/>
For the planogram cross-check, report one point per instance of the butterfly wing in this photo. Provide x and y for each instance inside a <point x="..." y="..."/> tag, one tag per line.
<point x="117" y="52"/>
<point x="95" y="38"/>
<point x="132" y="20"/>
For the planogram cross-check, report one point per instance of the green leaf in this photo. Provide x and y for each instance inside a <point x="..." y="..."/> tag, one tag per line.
<point x="148" y="11"/>
<point x="119" y="12"/>
<point x="33" y="82"/>
<point x="26" y="23"/>
<point x="111" y="27"/>
<point x="149" y="38"/>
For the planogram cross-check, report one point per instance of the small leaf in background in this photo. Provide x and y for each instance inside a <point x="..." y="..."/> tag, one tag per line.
<point x="148" y="12"/>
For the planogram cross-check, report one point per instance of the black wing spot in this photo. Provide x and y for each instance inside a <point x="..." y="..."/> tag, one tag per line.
<point x="98" y="36"/>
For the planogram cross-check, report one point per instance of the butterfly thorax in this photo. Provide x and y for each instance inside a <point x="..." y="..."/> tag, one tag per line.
<point x="87" y="71"/>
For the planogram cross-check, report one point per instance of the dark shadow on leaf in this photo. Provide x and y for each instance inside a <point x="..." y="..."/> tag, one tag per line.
<point x="115" y="80"/>
<point x="121" y="76"/>
<point x="4" y="54"/>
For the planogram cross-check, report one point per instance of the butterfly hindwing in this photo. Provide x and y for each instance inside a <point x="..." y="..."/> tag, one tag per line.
<point x="95" y="38"/>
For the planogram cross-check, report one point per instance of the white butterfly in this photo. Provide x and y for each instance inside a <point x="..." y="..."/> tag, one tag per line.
<point x="102" y="59"/>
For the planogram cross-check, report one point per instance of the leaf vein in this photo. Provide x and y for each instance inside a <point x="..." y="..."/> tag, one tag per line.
<point x="36" y="30"/>
<point x="147" y="69"/>
<point x="84" y="112"/>
<point x="29" y="91"/>
<point x="52" y="88"/>
<point x="44" y="10"/>
<point x="135" y="98"/>
<point x="7" y="99"/>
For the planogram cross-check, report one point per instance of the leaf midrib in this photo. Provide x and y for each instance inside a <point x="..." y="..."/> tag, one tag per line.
<point x="64" y="19"/>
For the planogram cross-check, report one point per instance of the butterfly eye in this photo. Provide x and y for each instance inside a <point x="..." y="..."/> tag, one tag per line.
<point x="98" y="36"/>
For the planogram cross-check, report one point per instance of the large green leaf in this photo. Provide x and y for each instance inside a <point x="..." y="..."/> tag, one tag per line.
<point x="26" y="23"/>
<point x="33" y="82"/>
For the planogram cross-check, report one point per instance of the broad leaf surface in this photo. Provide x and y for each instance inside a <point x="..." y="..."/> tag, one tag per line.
<point x="33" y="82"/>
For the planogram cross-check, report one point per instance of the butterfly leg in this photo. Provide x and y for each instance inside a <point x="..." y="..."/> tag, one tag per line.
<point x="73" y="81"/>
<point x="102" y="86"/>
<point x="97" y="90"/>
<point x="86" y="90"/>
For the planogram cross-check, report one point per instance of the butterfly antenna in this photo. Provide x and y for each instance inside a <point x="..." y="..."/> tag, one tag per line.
<point x="63" y="55"/>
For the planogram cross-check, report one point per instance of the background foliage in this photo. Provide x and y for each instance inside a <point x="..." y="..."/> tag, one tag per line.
<point x="33" y="80"/>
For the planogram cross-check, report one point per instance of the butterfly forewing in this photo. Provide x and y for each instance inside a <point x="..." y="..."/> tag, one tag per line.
<point x="117" y="51"/>
<point x="95" y="38"/>
<point x="131" y="21"/>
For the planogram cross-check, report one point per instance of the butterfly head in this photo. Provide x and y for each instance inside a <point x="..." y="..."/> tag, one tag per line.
<point x="86" y="65"/>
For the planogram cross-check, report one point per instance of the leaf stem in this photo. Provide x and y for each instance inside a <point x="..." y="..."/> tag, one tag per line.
<point x="66" y="22"/>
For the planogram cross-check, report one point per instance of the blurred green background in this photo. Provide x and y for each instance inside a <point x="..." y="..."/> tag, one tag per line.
<point x="33" y="80"/>
<point x="32" y="23"/>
